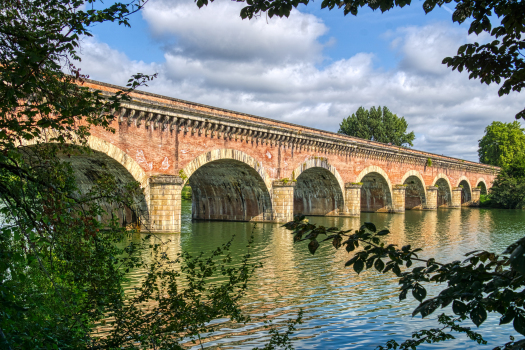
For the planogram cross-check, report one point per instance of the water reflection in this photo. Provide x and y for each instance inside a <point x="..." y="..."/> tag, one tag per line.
<point x="344" y="310"/>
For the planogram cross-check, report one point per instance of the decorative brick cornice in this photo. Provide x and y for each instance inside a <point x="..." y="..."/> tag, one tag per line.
<point x="172" y="115"/>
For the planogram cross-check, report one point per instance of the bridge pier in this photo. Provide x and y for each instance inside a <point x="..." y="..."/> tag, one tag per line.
<point x="352" y="200"/>
<point x="165" y="203"/>
<point x="456" y="197"/>
<point x="398" y="198"/>
<point x="431" y="202"/>
<point x="476" y="195"/>
<point x="282" y="198"/>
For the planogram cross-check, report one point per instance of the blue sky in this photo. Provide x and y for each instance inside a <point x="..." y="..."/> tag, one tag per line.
<point x="313" y="68"/>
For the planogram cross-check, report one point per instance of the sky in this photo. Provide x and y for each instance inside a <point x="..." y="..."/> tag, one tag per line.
<point x="314" y="68"/>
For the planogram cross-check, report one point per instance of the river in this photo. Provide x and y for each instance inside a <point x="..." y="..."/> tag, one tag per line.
<point x="343" y="310"/>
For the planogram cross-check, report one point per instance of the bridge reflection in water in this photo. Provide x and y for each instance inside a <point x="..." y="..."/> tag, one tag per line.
<point x="342" y="309"/>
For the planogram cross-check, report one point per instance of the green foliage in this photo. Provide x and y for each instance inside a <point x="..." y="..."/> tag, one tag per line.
<point x="378" y="125"/>
<point x="429" y="162"/>
<point x="485" y="201"/>
<point x="502" y="143"/>
<point x="484" y="282"/>
<point x="508" y="189"/>
<point x="183" y="175"/>
<point x="186" y="193"/>
<point x="499" y="60"/>
<point x="64" y="249"/>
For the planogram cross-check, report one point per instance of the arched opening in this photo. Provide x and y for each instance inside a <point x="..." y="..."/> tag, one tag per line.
<point x="444" y="193"/>
<point x="92" y="168"/>
<point x="229" y="190"/>
<point x="414" y="193"/>
<point x="466" y="194"/>
<point x="483" y="187"/>
<point x="317" y="192"/>
<point x="375" y="193"/>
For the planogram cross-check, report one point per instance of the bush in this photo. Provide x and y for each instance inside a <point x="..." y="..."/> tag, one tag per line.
<point x="186" y="193"/>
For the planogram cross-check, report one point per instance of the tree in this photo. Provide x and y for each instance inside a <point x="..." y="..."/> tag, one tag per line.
<point x="499" y="60"/>
<point x="64" y="254"/>
<point x="484" y="282"/>
<point x="508" y="189"/>
<point x="502" y="143"/>
<point x="378" y="125"/>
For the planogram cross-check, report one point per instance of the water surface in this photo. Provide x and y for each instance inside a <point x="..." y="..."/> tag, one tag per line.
<point x="343" y="310"/>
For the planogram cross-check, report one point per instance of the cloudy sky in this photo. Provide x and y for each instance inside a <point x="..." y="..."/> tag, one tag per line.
<point x="314" y="68"/>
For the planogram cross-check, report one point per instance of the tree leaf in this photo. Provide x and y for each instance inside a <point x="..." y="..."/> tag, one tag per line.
<point x="419" y="292"/>
<point x="379" y="265"/>
<point x="370" y="226"/>
<point x="358" y="266"/>
<point x="312" y="246"/>
<point x="519" y="324"/>
<point x="508" y="316"/>
<point x="458" y="307"/>
<point x="351" y="261"/>
<point x="478" y="315"/>
<point x="383" y="232"/>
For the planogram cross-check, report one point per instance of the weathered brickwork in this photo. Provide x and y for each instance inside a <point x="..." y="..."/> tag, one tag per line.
<point x="244" y="167"/>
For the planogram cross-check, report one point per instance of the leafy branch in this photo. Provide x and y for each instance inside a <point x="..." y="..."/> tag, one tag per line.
<point x="484" y="282"/>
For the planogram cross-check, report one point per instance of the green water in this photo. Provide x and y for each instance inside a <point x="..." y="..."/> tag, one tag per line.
<point x="344" y="310"/>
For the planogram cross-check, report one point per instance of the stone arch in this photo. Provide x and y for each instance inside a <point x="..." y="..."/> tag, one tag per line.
<point x="481" y="183"/>
<point x="97" y="144"/>
<point x="228" y="185"/>
<point x="105" y="158"/>
<point x="228" y="154"/>
<point x="318" y="188"/>
<point x="466" y="189"/>
<point x="376" y="191"/>
<point x="444" y="195"/>
<point x="415" y="191"/>
<point x="121" y="157"/>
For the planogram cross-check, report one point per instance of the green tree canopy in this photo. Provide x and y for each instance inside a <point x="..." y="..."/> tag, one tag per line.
<point x="499" y="60"/>
<point x="501" y="144"/>
<point x="378" y="125"/>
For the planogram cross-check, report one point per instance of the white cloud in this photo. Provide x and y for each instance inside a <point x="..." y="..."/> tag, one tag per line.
<point x="272" y="70"/>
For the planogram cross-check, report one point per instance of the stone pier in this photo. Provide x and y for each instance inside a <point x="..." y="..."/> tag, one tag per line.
<point x="476" y="196"/>
<point x="432" y="197"/>
<point x="282" y="199"/>
<point x="398" y="198"/>
<point x="352" y="200"/>
<point x="456" y="197"/>
<point x="165" y="203"/>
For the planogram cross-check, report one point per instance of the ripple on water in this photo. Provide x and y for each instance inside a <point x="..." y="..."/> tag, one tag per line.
<point x="343" y="310"/>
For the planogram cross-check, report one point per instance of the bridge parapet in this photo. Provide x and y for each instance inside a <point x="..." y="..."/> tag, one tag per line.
<point x="173" y="115"/>
<point x="248" y="168"/>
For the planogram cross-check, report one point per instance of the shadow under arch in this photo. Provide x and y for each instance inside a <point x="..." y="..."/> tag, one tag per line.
<point x="482" y="184"/>
<point x="444" y="194"/>
<point x="466" y="190"/>
<point x="228" y="185"/>
<point x="318" y="190"/>
<point x="376" y="190"/>
<point x="96" y="161"/>
<point x="415" y="191"/>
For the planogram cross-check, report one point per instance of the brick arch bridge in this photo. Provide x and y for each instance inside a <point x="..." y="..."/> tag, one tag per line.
<point x="249" y="168"/>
